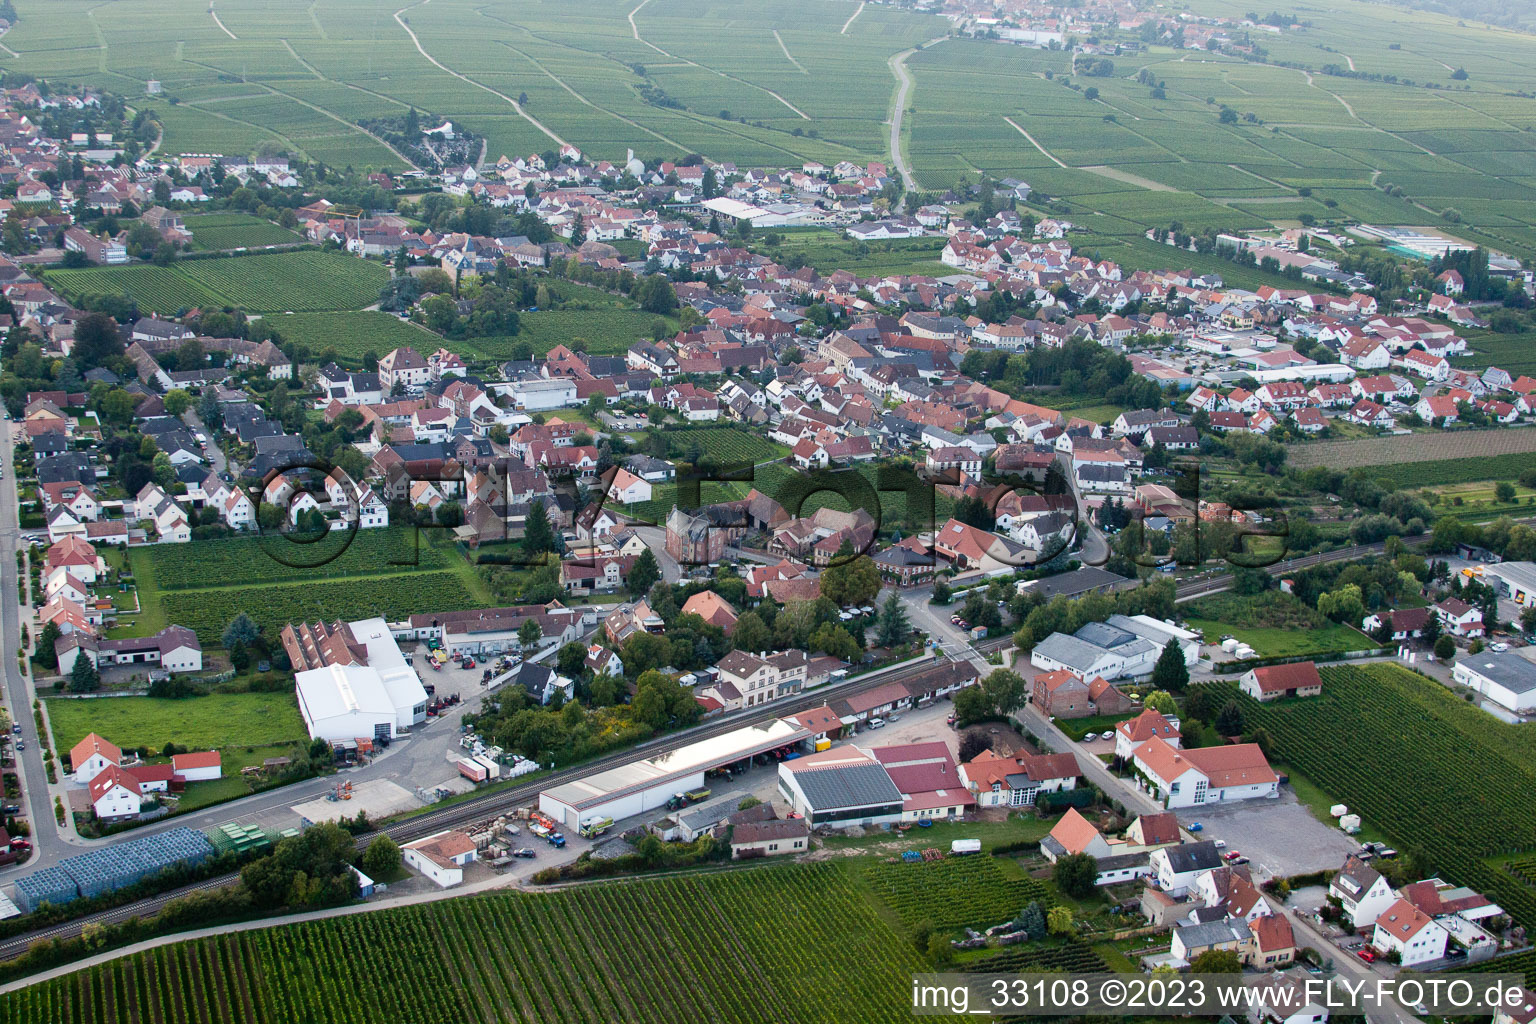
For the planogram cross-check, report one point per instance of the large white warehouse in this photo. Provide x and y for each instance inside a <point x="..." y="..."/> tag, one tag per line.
<point x="372" y="696"/>
<point x="643" y="786"/>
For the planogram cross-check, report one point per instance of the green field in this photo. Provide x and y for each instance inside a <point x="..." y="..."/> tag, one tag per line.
<point x="308" y="281"/>
<point x="234" y="230"/>
<point x="205" y="584"/>
<point x="1334" y="638"/>
<point x="770" y="943"/>
<point x="827" y="250"/>
<point x="726" y="444"/>
<point x="353" y="334"/>
<point x="1447" y="781"/>
<point x="1313" y="138"/>
<point x="245" y="728"/>
<point x="1456" y="471"/>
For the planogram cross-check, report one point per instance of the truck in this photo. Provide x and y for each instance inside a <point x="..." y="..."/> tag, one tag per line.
<point x="473" y="770"/>
<point x="695" y="795"/>
<point x="556" y="839"/>
<point x="492" y="769"/>
<point x="594" y="827"/>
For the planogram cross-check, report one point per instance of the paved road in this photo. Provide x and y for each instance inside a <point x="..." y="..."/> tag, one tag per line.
<point x="213" y="451"/>
<point x="46" y="835"/>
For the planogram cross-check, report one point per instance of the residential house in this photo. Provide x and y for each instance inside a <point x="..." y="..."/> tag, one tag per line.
<point x="1274" y="682"/>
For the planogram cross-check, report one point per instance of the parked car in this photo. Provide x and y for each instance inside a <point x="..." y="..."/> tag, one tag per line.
<point x="877" y="723"/>
<point x="11" y="809"/>
<point x="525" y="853"/>
<point x="950" y="720"/>
<point x="1368" y="955"/>
<point x="1499" y="647"/>
<point x="1231" y="855"/>
<point x="1220" y="844"/>
<point x="893" y="717"/>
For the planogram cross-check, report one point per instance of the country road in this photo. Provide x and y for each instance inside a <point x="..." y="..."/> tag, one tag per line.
<point x="898" y="65"/>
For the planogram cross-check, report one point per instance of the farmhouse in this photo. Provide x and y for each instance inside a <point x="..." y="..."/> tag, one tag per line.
<point x="1191" y="778"/>
<point x="769" y="838"/>
<point x="1273" y="682"/>
<point x="996" y="780"/>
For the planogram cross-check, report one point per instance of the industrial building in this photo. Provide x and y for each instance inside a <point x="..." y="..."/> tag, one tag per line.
<point x="354" y="682"/>
<point x="859" y="786"/>
<point x="1513" y="580"/>
<point x="1506" y="678"/>
<point x="643" y="786"/>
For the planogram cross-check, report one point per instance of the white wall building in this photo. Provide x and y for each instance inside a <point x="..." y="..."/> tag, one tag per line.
<point x="1409" y="932"/>
<point x="377" y="700"/>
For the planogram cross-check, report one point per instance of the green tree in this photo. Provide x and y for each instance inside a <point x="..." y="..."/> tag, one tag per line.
<point x="644" y="573"/>
<point x="893" y="627"/>
<point x="1229" y="720"/>
<point x="1032" y="918"/>
<point x="1504" y="492"/>
<point x="1059" y="920"/>
<point x="1170" y="673"/>
<point x="1445" y="648"/>
<point x="1005" y="691"/>
<point x="836" y="641"/>
<point x="177" y="402"/>
<point x="242" y="629"/>
<point x="1075" y="875"/>
<point x="83" y="677"/>
<point x="529" y="634"/>
<point x="571" y="659"/>
<point x="1161" y="701"/>
<point x="1217" y="961"/>
<point x="850" y="580"/>
<point x="972" y="705"/>
<point x="538" y="534"/>
<point x="382" y="858"/>
<point x="751" y="634"/>
<point x="45" y="655"/>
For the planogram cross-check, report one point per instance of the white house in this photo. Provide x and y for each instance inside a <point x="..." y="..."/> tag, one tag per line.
<point x="627" y="488"/>
<point x="1207" y="775"/>
<point x="1459" y="618"/>
<point x="115" y="795"/>
<point x="92" y="756"/>
<point x="1409" y="932"/>
<point x="1362" y="893"/>
<point x="441" y="857"/>
<point x="1176" y="868"/>
<point x="1150" y="724"/>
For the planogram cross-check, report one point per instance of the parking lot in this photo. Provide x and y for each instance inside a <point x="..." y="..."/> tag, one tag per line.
<point x="1279" y="837"/>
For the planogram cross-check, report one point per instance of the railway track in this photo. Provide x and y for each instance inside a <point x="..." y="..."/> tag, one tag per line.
<point x="485" y="806"/>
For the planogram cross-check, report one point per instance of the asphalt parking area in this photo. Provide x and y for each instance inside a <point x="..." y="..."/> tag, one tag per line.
<point x="1279" y="837"/>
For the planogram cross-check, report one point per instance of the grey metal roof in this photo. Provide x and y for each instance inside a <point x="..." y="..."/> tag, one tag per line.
<point x="1193" y="857"/>
<point x="1078" y="581"/>
<point x="1509" y="670"/>
<point x="1102" y="634"/>
<point x="1197" y="935"/>
<point x="850" y="785"/>
<point x="1070" y="651"/>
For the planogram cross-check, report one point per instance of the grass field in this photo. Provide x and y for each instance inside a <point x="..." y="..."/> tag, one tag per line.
<point x="205" y="584"/>
<point x="1271" y="642"/>
<point x="308" y="281"/>
<point x="1455" y="471"/>
<point x="245" y="728"/>
<point x="234" y="230"/>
